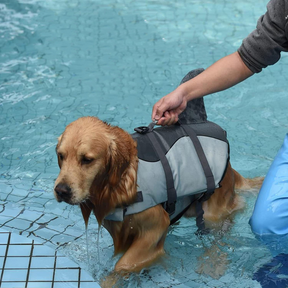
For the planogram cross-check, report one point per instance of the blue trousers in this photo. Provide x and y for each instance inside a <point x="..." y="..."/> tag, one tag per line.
<point x="270" y="215"/>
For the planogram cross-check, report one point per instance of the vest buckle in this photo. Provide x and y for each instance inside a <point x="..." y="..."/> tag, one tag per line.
<point x="170" y="208"/>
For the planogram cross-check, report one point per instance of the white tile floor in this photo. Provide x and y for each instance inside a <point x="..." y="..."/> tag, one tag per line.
<point x="25" y="263"/>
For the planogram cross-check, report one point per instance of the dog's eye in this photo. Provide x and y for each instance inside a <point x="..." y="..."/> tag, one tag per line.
<point x="61" y="157"/>
<point x="86" y="161"/>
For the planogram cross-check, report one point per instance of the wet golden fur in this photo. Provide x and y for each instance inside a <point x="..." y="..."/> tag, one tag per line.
<point x="99" y="171"/>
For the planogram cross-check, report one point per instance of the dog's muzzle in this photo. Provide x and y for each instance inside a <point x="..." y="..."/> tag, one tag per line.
<point x="63" y="193"/>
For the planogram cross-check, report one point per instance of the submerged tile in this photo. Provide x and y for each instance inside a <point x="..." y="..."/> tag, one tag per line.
<point x="62" y="238"/>
<point x="30" y="215"/>
<point x="11" y="212"/>
<point x="45" y="233"/>
<point x="20" y="224"/>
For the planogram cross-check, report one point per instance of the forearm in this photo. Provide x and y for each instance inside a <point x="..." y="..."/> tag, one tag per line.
<point x="223" y="74"/>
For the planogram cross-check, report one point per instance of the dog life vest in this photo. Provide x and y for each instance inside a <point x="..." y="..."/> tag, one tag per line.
<point x="177" y="165"/>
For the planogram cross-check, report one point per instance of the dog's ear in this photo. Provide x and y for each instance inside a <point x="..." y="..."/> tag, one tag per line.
<point x="116" y="185"/>
<point x="118" y="161"/>
<point x="122" y="167"/>
<point x="58" y="144"/>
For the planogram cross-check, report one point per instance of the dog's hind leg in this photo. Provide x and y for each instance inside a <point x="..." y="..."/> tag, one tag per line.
<point x="242" y="183"/>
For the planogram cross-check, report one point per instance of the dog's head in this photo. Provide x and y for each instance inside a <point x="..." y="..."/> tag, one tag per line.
<point x="98" y="163"/>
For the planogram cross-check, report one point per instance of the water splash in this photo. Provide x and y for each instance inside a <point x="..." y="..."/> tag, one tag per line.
<point x="98" y="248"/>
<point x="87" y="247"/>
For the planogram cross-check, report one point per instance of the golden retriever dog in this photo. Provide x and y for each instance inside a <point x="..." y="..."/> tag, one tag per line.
<point x="99" y="165"/>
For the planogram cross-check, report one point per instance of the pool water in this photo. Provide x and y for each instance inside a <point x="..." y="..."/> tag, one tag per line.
<point x="63" y="59"/>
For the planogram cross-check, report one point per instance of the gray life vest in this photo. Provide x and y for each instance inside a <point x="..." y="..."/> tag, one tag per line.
<point x="187" y="175"/>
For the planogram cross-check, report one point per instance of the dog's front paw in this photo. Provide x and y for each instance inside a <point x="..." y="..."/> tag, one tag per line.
<point x="114" y="279"/>
<point x="213" y="263"/>
<point x="110" y="281"/>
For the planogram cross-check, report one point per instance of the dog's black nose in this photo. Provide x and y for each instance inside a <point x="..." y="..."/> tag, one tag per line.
<point x="63" y="192"/>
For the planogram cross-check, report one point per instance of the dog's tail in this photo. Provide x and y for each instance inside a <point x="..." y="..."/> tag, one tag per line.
<point x="242" y="183"/>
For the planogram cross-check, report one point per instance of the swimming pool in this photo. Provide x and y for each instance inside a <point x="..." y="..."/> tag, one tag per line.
<point x="61" y="60"/>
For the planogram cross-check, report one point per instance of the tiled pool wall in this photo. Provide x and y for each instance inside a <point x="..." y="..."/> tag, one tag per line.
<point x="28" y="264"/>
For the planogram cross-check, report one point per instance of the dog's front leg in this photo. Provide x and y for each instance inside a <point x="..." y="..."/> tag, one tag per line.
<point x="151" y="228"/>
<point x="148" y="230"/>
<point x="142" y="253"/>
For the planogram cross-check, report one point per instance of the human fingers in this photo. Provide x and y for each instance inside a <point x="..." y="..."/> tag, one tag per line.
<point x="164" y="119"/>
<point x="158" y="109"/>
<point x="172" y="118"/>
<point x="161" y="121"/>
<point x="168" y="118"/>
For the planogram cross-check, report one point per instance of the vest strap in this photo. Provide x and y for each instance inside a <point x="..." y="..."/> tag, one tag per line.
<point x="209" y="179"/>
<point x="199" y="216"/>
<point x="202" y="230"/>
<point x="203" y="160"/>
<point x="171" y="192"/>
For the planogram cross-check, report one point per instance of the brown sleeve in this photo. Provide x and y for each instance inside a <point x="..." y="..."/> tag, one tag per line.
<point x="262" y="47"/>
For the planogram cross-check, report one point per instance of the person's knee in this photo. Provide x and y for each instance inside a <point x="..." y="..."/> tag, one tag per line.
<point x="258" y="224"/>
<point x="270" y="214"/>
<point x="268" y="221"/>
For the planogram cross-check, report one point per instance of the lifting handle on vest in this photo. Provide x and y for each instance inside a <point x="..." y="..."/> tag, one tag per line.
<point x="142" y="129"/>
<point x="145" y="129"/>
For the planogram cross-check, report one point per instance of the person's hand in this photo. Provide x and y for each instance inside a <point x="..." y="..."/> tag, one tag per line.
<point x="167" y="110"/>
